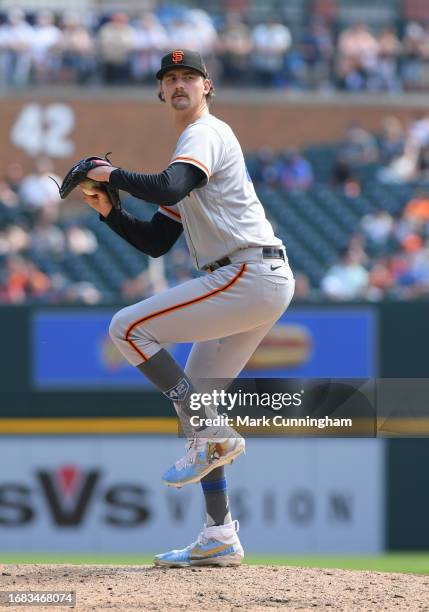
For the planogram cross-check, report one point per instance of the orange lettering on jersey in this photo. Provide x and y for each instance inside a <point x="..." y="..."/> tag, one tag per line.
<point x="177" y="56"/>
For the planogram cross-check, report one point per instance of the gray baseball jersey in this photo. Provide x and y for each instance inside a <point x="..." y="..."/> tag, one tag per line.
<point x="225" y="215"/>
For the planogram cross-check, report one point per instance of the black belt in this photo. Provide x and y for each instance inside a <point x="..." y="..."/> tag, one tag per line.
<point x="267" y="253"/>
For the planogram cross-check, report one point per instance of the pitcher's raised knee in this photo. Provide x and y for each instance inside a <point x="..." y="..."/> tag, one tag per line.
<point x="119" y="325"/>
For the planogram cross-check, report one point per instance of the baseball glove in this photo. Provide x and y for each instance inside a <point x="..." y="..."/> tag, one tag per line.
<point x="78" y="173"/>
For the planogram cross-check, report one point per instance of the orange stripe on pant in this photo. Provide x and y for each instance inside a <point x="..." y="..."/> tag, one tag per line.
<point x="177" y="307"/>
<point x="171" y="212"/>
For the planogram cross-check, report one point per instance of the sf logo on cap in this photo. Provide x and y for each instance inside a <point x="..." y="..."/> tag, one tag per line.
<point x="177" y="56"/>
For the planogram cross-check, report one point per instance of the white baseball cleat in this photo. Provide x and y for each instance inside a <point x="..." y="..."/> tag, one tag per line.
<point x="202" y="456"/>
<point x="218" y="545"/>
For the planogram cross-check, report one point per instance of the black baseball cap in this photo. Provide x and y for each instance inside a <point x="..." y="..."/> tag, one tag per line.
<point x="182" y="58"/>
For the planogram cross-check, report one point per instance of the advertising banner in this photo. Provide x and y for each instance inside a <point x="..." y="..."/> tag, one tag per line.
<point x="104" y="494"/>
<point x="305" y="342"/>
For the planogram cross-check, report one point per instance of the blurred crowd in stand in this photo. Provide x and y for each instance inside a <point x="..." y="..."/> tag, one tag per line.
<point x="387" y="259"/>
<point x="31" y="232"/>
<point x="46" y="47"/>
<point x="387" y="255"/>
<point x="288" y="169"/>
<point x="398" y="152"/>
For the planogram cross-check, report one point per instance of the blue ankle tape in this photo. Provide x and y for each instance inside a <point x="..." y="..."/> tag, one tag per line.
<point x="215" y="486"/>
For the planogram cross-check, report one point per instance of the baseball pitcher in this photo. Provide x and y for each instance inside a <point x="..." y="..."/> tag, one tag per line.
<point x="205" y="192"/>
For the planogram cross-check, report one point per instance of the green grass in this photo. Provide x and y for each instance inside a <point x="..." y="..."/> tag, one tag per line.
<point x="416" y="563"/>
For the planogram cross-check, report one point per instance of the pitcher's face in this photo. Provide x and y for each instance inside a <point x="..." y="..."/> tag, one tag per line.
<point x="184" y="88"/>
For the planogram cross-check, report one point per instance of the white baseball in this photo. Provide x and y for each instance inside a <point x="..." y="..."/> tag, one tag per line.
<point x="88" y="186"/>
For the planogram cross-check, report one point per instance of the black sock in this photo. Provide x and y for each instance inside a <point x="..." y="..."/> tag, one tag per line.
<point x="216" y="497"/>
<point x="166" y="374"/>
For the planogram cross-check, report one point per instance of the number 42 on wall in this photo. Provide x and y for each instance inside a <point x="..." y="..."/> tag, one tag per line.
<point x="44" y="130"/>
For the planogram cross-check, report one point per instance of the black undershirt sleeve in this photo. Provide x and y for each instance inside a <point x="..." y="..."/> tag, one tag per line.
<point x="154" y="237"/>
<point x="166" y="188"/>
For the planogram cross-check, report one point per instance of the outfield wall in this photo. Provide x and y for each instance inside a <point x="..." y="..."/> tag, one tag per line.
<point x="61" y="362"/>
<point x="104" y="494"/>
<point x="86" y="494"/>
<point x="291" y="495"/>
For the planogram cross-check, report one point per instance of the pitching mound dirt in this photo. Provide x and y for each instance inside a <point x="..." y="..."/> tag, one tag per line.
<point x="105" y="587"/>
